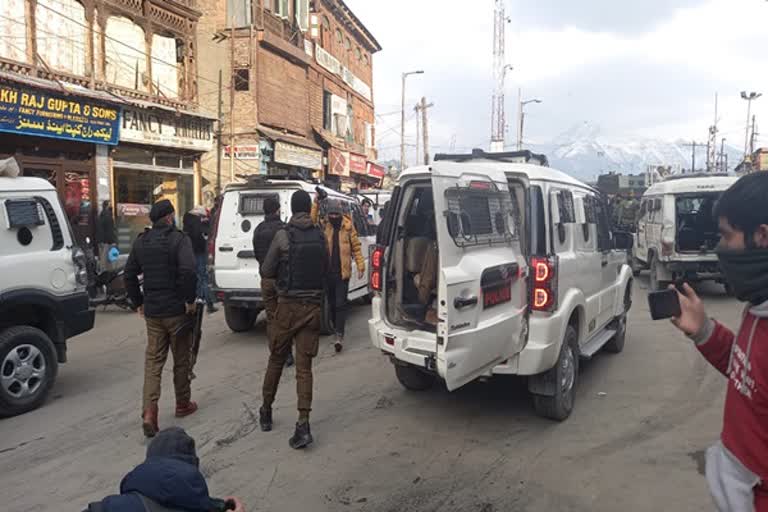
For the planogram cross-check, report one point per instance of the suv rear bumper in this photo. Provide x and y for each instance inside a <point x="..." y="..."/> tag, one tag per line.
<point x="702" y="270"/>
<point x="248" y="299"/>
<point x="77" y="316"/>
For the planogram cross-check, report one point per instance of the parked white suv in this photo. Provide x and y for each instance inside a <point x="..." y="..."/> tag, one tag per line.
<point x="43" y="300"/>
<point x="677" y="232"/>
<point x="234" y="274"/>
<point x="528" y="277"/>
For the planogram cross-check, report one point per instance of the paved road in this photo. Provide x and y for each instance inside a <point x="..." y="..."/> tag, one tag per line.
<point x="635" y="441"/>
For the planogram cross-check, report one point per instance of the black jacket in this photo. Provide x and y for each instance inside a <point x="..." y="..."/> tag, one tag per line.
<point x="164" y="255"/>
<point x="263" y="236"/>
<point x="169" y="482"/>
<point x="105" y="228"/>
<point x="196" y="230"/>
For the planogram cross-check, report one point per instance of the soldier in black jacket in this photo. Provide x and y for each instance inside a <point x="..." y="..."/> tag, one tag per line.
<point x="165" y="256"/>
<point x="298" y="260"/>
<point x="196" y="226"/>
<point x="262" y="239"/>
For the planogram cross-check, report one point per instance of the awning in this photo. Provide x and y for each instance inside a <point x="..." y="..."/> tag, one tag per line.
<point x="297" y="140"/>
<point x="61" y="87"/>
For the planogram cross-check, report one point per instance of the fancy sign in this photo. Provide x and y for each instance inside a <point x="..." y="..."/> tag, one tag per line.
<point x="49" y="115"/>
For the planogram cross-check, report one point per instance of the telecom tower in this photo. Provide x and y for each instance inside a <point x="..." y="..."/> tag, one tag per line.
<point x="500" y="67"/>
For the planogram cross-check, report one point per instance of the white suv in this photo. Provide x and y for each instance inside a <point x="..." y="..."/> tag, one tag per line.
<point x="522" y="275"/>
<point x="234" y="270"/>
<point x="43" y="300"/>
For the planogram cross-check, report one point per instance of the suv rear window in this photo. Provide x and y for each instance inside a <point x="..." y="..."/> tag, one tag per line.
<point x="253" y="204"/>
<point x="477" y="217"/>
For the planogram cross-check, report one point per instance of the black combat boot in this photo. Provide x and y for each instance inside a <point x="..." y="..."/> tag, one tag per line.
<point x="265" y="419"/>
<point x="302" y="437"/>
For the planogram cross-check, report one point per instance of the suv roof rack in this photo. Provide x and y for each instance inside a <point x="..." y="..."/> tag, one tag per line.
<point x="524" y="156"/>
<point x="696" y="175"/>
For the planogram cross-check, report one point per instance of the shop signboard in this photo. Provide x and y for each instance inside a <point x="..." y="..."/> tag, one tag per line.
<point x="376" y="170"/>
<point x="244" y="152"/>
<point x="357" y="163"/>
<point x="159" y="128"/>
<point x="32" y="112"/>
<point x="338" y="162"/>
<point x="327" y="61"/>
<point x="298" y="156"/>
<point x="133" y="210"/>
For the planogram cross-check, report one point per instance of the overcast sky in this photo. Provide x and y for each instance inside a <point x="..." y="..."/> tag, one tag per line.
<point x="646" y="68"/>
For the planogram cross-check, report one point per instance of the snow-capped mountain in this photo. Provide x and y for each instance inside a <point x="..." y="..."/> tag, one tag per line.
<point x="585" y="153"/>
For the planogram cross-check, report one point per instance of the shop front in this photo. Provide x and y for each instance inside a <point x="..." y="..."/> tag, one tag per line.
<point x="63" y="139"/>
<point x="158" y="158"/>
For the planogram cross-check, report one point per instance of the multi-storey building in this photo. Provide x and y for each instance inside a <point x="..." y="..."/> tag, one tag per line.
<point x="298" y="89"/>
<point x="100" y="97"/>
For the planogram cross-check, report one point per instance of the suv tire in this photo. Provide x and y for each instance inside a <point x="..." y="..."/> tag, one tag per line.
<point x="616" y="345"/>
<point x="565" y="375"/>
<point x="27" y="359"/>
<point x="414" y="379"/>
<point x="239" y="319"/>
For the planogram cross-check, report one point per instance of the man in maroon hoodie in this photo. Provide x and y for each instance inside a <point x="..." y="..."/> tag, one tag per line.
<point x="737" y="466"/>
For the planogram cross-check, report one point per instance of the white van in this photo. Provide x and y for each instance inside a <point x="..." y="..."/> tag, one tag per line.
<point x="677" y="232"/>
<point x="234" y="271"/>
<point x="528" y="278"/>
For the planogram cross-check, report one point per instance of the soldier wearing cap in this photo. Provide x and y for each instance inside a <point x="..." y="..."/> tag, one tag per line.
<point x="165" y="257"/>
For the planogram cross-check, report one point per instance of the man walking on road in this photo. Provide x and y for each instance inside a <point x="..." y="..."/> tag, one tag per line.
<point x="165" y="256"/>
<point x="105" y="234"/>
<point x="262" y="239"/>
<point x="343" y="245"/>
<point x="196" y="228"/>
<point x="737" y="466"/>
<point x="297" y="260"/>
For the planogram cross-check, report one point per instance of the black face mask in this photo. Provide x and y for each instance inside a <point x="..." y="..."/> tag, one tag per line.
<point x="335" y="221"/>
<point x="746" y="272"/>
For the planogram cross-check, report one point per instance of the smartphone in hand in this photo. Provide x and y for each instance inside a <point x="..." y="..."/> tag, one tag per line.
<point x="664" y="304"/>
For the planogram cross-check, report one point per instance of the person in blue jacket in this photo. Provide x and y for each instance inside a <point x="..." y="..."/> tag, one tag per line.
<point x="169" y="480"/>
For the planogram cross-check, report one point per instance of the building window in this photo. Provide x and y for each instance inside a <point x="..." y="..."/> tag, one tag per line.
<point x="127" y="59"/>
<point x="281" y="8"/>
<point x="61" y="33"/>
<point x="326" y="23"/>
<point x="327" y="111"/>
<point x="239" y="12"/>
<point x="165" y="73"/>
<point x="13" y="31"/>
<point x="339" y="37"/>
<point x="348" y="44"/>
<point x="358" y="54"/>
<point x="242" y="79"/>
<point x="366" y="60"/>
<point x="301" y="10"/>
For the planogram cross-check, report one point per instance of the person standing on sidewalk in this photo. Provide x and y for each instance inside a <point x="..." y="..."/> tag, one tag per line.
<point x="737" y="466"/>
<point x="105" y="234"/>
<point x="297" y="260"/>
<point x="262" y="239"/>
<point x="165" y="256"/>
<point x="195" y="227"/>
<point x="343" y="245"/>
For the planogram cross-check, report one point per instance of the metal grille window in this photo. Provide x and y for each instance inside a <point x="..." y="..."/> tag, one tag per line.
<point x="254" y="204"/>
<point x="242" y="79"/>
<point x="566" y="207"/>
<point x="477" y="217"/>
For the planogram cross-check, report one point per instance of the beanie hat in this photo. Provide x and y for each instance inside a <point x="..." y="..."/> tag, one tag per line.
<point x="161" y="209"/>
<point x="271" y="205"/>
<point x="301" y="202"/>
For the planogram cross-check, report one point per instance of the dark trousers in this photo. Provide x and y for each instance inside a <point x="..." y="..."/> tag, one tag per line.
<point x="269" y="296"/>
<point x="299" y="323"/>
<point x="337" y="290"/>
<point x="164" y="334"/>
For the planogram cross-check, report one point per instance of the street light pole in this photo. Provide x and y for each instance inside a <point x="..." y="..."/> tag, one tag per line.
<point x="402" y="118"/>
<point x="749" y="97"/>
<point x="522" y="119"/>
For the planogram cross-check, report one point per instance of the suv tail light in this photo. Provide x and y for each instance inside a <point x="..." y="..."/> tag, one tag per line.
<point x="544" y="289"/>
<point x="377" y="265"/>
<point x="81" y="267"/>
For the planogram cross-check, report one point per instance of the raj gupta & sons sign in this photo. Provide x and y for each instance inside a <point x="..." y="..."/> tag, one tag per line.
<point x="49" y="115"/>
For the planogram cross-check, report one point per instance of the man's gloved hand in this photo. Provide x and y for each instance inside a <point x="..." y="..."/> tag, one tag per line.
<point x="190" y="309"/>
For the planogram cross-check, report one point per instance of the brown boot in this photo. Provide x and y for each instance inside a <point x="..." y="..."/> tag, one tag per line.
<point x="186" y="409"/>
<point x="149" y="421"/>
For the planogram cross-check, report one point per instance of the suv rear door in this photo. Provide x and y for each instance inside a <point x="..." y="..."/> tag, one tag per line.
<point x="482" y="290"/>
<point x="241" y="211"/>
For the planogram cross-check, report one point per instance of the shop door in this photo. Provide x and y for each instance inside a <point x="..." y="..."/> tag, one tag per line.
<point x="78" y="204"/>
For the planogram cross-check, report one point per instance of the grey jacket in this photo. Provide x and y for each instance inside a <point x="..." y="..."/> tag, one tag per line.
<point x="278" y="254"/>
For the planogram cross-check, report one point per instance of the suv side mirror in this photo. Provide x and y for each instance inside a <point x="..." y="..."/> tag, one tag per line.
<point x="622" y="240"/>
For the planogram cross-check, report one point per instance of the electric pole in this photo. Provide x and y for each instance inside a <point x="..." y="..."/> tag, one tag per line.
<point x="219" y="145"/>
<point x="693" y="145"/>
<point x="712" y="143"/>
<point x="402" y="117"/>
<point x="418" y="130"/>
<point x="749" y="98"/>
<point x="752" y="138"/>
<point x="721" y="167"/>
<point x="500" y="68"/>
<point x="425" y="128"/>
<point x="232" y="103"/>
<point x="521" y="116"/>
